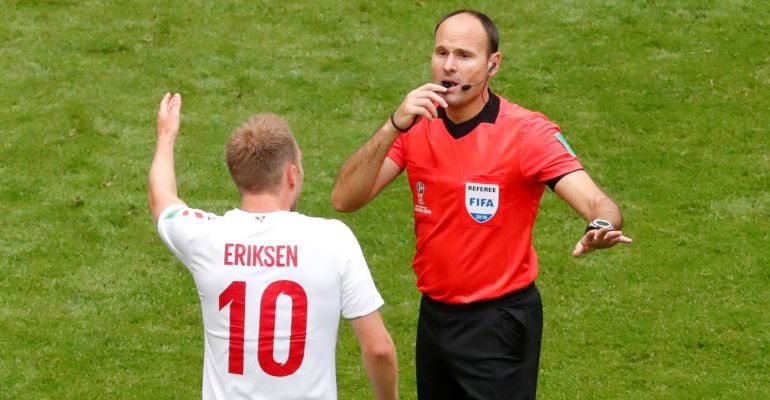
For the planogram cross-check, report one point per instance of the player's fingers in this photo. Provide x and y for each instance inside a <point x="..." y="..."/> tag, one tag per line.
<point x="176" y="101"/>
<point x="164" y="103"/>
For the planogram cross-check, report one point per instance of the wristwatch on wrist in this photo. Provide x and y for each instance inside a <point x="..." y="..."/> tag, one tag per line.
<point x="599" y="224"/>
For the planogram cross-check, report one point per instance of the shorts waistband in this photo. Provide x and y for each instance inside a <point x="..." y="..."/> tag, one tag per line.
<point x="507" y="298"/>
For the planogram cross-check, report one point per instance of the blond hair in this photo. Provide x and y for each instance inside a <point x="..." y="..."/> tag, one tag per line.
<point x="258" y="151"/>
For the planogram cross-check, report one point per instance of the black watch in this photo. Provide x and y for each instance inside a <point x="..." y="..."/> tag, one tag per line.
<point x="599" y="224"/>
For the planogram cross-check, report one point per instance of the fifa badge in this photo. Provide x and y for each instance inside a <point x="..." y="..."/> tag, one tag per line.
<point x="481" y="200"/>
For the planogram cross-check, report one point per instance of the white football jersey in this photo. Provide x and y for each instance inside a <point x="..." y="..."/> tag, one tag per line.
<point x="272" y="288"/>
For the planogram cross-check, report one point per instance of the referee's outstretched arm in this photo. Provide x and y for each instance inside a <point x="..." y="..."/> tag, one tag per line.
<point x="582" y="193"/>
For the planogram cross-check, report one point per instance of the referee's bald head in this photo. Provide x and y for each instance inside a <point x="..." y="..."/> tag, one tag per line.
<point x="493" y="35"/>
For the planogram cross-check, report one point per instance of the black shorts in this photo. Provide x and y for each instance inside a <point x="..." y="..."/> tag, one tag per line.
<point x="486" y="350"/>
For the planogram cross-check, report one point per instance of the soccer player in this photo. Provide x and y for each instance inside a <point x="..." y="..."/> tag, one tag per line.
<point x="272" y="282"/>
<point x="477" y="166"/>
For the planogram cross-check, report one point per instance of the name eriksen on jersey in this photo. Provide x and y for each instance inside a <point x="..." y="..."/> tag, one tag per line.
<point x="254" y="255"/>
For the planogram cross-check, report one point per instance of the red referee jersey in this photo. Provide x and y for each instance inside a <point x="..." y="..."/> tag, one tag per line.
<point x="476" y="196"/>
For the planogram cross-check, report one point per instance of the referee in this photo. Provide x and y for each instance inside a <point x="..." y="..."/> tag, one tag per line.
<point x="477" y="166"/>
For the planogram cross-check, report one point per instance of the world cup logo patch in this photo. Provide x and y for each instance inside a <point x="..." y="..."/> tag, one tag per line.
<point x="420" y="191"/>
<point x="419" y="188"/>
<point x="481" y="200"/>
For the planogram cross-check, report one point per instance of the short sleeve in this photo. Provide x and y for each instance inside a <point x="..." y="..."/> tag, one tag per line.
<point x="397" y="152"/>
<point x="545" y="152"/>
<point x="179" y="225"/>
<point x="359" y="294"/>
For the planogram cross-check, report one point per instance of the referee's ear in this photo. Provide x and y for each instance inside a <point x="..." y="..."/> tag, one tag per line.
<point x="494" y="63"/>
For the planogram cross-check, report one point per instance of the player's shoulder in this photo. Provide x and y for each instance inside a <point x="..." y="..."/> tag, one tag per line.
<point x="331" y="232"/>
<point x="183" y="213"/>
<point x="321" y="224"/>
<point x="179" y="224"/>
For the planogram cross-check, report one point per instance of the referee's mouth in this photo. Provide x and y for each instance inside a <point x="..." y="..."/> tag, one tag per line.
<point x="449" y="84"/>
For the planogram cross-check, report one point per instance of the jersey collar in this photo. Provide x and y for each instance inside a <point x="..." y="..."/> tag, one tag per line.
<point x="487" y="114"/>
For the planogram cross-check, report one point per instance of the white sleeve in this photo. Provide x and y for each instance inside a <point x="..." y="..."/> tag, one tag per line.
<point x="359" y="294"/>
<point x="179" y="225"/>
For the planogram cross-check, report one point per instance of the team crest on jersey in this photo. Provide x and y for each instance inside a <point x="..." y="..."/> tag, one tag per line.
<point x="481" y="200"/>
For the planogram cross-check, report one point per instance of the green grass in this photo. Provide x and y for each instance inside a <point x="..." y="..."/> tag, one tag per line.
<point x="665" y="102"/>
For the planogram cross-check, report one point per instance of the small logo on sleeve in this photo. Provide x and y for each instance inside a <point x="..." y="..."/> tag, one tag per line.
<point x="481" y="200"/>
<point x="564" y="143"/>
<point x="171" y="214"/>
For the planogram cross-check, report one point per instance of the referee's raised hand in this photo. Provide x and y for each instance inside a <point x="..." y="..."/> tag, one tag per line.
<point x="420" y="102"/>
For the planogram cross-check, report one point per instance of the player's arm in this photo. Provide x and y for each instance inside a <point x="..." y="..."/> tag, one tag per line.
<point x="582" y="193"/>
<point x="367" y="171"/>
<point x="379" y="355"/>
<point x="161" y="188"/>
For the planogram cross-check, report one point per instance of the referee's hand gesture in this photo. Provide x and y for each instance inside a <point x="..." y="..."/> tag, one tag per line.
<point x="599" y="239"/>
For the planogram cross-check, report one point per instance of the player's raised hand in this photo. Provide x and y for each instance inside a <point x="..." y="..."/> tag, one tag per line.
<point x="420" y="102"/>
<point x="168" y="114"/>
<point x="599" y="239"/>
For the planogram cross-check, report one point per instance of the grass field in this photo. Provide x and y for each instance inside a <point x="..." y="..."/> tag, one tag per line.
<point x="666" y="103"/>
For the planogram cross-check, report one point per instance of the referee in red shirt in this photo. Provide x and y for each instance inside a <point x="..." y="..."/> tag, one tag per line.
<point x="477" y="166"/>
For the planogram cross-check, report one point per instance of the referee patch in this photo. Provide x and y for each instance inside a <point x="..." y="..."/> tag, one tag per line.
<point x="481" y="200"/>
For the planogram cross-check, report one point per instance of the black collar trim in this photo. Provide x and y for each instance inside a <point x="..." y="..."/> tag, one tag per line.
<point x="488" y="114"/>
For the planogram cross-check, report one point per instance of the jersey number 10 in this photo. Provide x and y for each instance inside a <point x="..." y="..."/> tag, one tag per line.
<point x="235" y="296"/>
